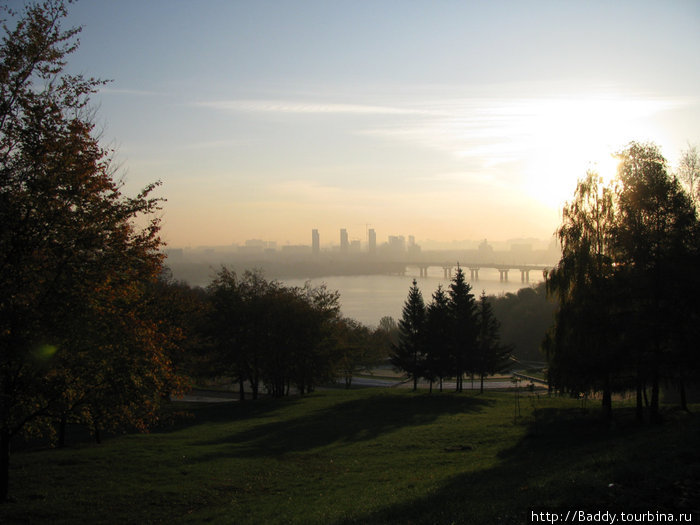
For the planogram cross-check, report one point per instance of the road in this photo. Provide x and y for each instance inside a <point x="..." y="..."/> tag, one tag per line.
<point x="211" y="396"/>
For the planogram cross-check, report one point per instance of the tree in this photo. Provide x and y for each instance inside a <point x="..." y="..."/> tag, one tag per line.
<point x="438" y="342"/>
<point x="689" y="171"/>
<point x="464" y="325"/>
<point x="626" y="283"/>
<point x="408" y="354"/>
<point x="491" y="356"/>
<point x="524" y="317"/>
<point x="72" y="259"/>
<point x="388" y="326"/>
<point x="657" y="243"/>
<point x="232" y="327"/>
<point x="582" y="352"/>
<point x="266" y="332"/>
<point x="354" y="348"/>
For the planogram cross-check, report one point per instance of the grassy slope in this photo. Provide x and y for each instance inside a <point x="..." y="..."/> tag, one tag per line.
<point x="365" y="456"/>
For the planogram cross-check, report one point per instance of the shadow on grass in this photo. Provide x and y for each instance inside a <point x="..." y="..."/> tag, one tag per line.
<point x="569" y="461"/>
<point x="356" y="420"/>
<point x="178" y="415"/>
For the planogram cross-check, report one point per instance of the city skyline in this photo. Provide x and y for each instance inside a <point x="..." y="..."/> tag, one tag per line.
<point x="452" y="120"/>
<point x="324" y="240"/>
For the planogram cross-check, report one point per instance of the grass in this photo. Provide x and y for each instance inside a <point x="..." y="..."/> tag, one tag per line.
<point x="365" y="456"/>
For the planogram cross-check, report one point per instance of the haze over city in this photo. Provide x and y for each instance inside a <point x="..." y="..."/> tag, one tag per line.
<point x="448" y="120"/>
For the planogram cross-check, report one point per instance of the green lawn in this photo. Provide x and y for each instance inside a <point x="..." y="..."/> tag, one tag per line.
<point x="365" y="456"/>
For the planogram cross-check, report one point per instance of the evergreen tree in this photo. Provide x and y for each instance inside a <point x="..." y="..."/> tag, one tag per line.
<point x="491" y="355"/>
<point x="409" y="354"/>
<point x="438" y="331"/>
<point x="463" y="313"/>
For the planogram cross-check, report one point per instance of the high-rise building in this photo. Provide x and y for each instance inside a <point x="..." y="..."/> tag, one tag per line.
<point x="344" y="243"/>
<point x="372" y="241"/>
<point x="315" y="242"/>
<point x="397" y="244"/>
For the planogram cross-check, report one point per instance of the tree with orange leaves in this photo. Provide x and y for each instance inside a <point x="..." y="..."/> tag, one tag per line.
<point x="74" y="336"/>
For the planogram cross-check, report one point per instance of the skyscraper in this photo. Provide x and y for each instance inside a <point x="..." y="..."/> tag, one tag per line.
<point x="315" y="242"/>
<point x="344" y="243"/>
<point x="372" y="241"/>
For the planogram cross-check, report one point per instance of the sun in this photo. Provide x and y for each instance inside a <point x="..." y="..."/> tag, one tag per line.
<point x="571" y="136"/>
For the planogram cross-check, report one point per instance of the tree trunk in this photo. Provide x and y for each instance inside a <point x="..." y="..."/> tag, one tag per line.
<point x="241" y="390"/>
<point x="415" y="382"/>
<point x="607" y="398"/>
<point x="481" y="388"/>
<point x="640" y="403"/>
<point x="62" y="431"/>
<point x="607" y="403"/>
<point x="654" y="416"/>
<point x="4" y="463"/>
<point x="98" y="434"/>
<point x="684" y="401"/>
<point x="646" y="399"/>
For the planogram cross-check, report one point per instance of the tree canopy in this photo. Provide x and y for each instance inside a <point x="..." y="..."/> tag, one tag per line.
<point x="74" y="337"/>
<point x="626" y="283"/>
<point x="451" y="337"/>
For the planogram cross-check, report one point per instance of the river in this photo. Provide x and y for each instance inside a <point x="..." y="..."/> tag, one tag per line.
<point x="368" y="298"/>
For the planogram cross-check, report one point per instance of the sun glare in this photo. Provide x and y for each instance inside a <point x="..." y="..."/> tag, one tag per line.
<point x="570" y="137"/>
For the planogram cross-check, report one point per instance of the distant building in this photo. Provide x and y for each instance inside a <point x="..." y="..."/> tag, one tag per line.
<point x="258" y="246"/>
<point x="372" y="241"/>
<point x="397" y="244"/>
<point x="315" y="242"/>
<point x="413" y="248"/>
<point x="344" y="243"/>
<point x="295" y="249"/>
<point x="355" y="246"/>
<point x="485" y="252"/>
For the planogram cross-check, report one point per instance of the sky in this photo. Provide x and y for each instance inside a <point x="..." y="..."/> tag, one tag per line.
<point x="439" y="119"/>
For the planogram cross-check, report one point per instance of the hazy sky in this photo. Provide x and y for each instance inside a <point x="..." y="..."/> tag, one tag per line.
<point x="440" y="119"/>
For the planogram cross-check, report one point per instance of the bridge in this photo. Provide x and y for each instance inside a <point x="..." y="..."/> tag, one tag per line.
<point x="474" y="268"/>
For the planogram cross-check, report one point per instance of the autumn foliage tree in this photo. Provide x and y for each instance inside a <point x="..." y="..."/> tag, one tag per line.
<point x="74" y="267"/>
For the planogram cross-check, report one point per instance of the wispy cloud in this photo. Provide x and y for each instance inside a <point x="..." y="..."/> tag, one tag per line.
<point x="214" y="144"/>
<point x="132" y="92"/>
<point x="506" y="127"/>
<point x="288" y="106"/>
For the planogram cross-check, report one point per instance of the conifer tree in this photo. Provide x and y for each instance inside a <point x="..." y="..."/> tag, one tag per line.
<point x="438" y="330"/>
<point x="463" y="313"/>
<point x="409" y="354"/>
<point x="491" y="355"/>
